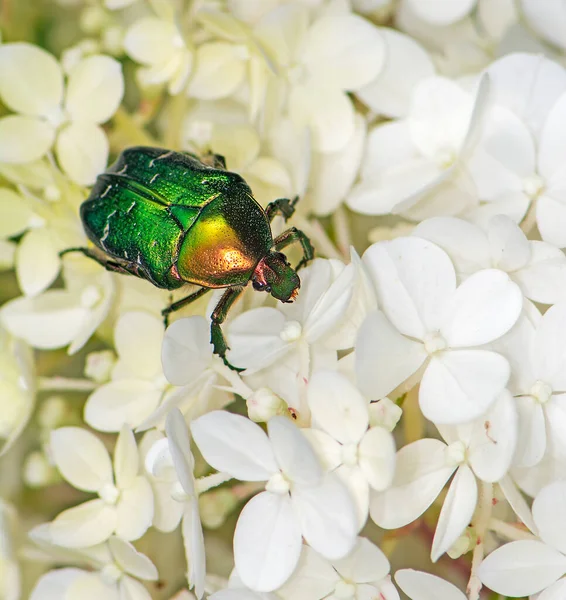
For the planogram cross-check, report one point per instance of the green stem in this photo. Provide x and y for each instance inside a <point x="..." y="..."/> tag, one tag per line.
<point x="65" y="384"/>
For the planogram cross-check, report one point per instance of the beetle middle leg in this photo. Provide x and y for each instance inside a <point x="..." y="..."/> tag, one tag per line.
<point x="291" y="236"/>
<point x="109" y="265"/>
<point x="281" y="206"/>
<point x="218" y="317"/>
<point x="182" y="302"/>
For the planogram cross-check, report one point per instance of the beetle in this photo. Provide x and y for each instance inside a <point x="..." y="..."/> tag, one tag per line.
<point x="172" y="219"/>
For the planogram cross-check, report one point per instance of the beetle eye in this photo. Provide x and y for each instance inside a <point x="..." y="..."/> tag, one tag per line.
<point x="268" y="289"/>
<point x="259" y="287"/>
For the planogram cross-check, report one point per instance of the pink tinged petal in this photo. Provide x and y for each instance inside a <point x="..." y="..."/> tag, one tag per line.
<point x="531" y="436"/>
<point x="218" y="73"/>
<point x="82" y="151"/>
<point x="384" y="358"/>
<point x="424" y="586"/>
<point x="138" y="337"/>
<point x="492" y="445"/>
<point x="314" y="577"/>
<point x="522" y="568"/>
<point x="549" y="513"/>
<point x="336" y="51"/>
<point x="54" y="584"/>
<point x="543" y="278"/>
<point x="517" y="502"/>
<point x="510" y="249"/>
<point x="133" y="562"/>
<point x="442" y="12"/>
<point x="81" y="458"/>
<point x="528" y="84"/>
<point x="254" y="338"/>
<point x="376" y="457"/>
<point x="267" y="542"/>
<point x="32" y="80"/>
<point x="84" y="525"/>
<point x="406" y="64"/>
<point x="460" y="385"/>
<point x="456" y="512"/>
<point x="233" y="444"/>
<point x="134" y="510"/>
<point x="465" y="243"/>
<point x="94" y="89"/>
<point x="483" y="308"/>
<point x="327" y="516"/>
<point x="180" y="448"/>
<point x="549" y="349"/>
<point x="193" y="541"/>
<point x="413" y="279"/>
<point x="126" y="458"/>
<point x="551" y="220"/>
<point x="24" y="139"/>
<point x="293" y="452"/>
<point x="186" y="350"/>
<point x="337" y="407"/>
<point x="420" y="474"/>
<point x="37" y="261"/>
<point x="365" y="564"/>
<point x="121" y="402"/>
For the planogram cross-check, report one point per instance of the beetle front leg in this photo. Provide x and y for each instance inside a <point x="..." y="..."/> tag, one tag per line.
<point x="295" y="235"/>
<point x="218" y="317"/>
<point x="182" y="302"/>
<point x="281" y="206"/>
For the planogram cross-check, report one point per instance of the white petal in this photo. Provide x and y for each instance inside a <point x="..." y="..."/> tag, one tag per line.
<point x="32" y="80"/>
<point x="424" y="586"/>
<point x="384" y="357"/>
<point x="24" y="139"/>
<point x="510" y="249"/>
<point x="376" y="457"/>
<point x="95" y="89"/>
<point x="555" y="592"/>
<point x="327" y="516"/>
<point x="293" y="452"/>
<point x="366" y="563"/>
<point x="134" y="510"/>
<point x="517" y="502"/>
<point x="138" y="338"/>
<point x="442" y="12"/>
<point x="548" y="20"/>
<point x="522" y="568"/>
<point x="531" y="438"/>
<point x="552" y="151"/>
<point x="53" y="585"/>
<point x="193" y="541"/>
<point x="549" y="352"/>
<point x="420" y="474"/>
<point x="151" y="41"/>
<point x="406" y="64"/>
<point x="551" y="220"/>
<point x="218" y="71"/>
<point x="413" y="279"/>
<point x="91" y="587"/>
<point x="314" y="577"/>
<point x="543" y="279"/>
<point x="82" y="151"/>
<point x="132" y="562"/>
<point x="456" y="512"/>
<point x="483" y="308"/>
<point x="81" y="458"/>
<point x="337" y="48"/>
<point x="267" y="542"/>
<point x="180" y="449"/>
<point x="460" y="385"/>
<point x="126" y="458"/>
<point x="84" y="525"/>
<point x="550" y="515"/>
<point x="233" y="444"/>
<point x="337" y="407"/>
<point x="37" y="261"/>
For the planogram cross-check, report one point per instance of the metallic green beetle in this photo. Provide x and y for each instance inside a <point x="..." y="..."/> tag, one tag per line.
<point x="171" y="219"/>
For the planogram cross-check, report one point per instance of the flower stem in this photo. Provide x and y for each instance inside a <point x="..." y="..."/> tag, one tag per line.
<point x="236" y="383"/>
<point x="508" y="531"/>
<point x="65" y="384"/>
<point x="203" y="484"/>
<point x="481" y="525"/>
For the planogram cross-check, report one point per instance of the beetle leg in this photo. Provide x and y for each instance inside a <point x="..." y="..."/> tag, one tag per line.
<point x="109" y="265"/>
<point x="218" y="317"/>
<point x="295" y="235"/>
<point x="281" y="206"/>
<point x="182" y="302"/>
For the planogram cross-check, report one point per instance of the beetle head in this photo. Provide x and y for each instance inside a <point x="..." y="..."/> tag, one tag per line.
<point x="274" y="274"/>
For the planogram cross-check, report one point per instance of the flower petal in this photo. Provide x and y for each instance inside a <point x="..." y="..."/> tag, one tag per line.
<point x="550" y="515"/>
<point x="376" y="457"/>
<point x="37" y="261"/>
<point x="424" y="586"/>
<point x="82" y="151"/>
<point x="543" y="278"/>
<point x="84" y="525"/>
<point x="219" y="71"/>
<point x="138" y="337"/>
<point x="24" y="139"/>
<point x="134" y="510"/>
<point x="133" y="562"/>
<point x="365" y="564"/>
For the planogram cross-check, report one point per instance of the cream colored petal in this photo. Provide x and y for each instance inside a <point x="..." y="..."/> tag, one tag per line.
<point x="152" y="41"/>
<point x="32" y="80"/>
<point x="7" y="255"/>
<point x="15" y="214"/>
<point x="95" y="89"/>
<point x="23" y="139"/>
<point x="37" y="262"/>
<point x="82" y="151"/>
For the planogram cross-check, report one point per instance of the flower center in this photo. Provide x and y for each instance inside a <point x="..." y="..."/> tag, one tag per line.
<point x="344" y="590"/>
<point x="110" y="574"/>
<point x="445" y="158"/>
<point x="456" y="453"/>
<point x="533" y="186"/>
<point x="109" y="493"/>
<point x="350" y="454"/>
<point x="541" y="392"/>
<point x="434" y="342"/>
<point x="278" y="484"/>
<point x="291" y="331"/>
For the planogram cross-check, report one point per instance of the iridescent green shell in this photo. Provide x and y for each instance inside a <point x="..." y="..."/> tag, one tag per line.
<point x="173" y="219"/>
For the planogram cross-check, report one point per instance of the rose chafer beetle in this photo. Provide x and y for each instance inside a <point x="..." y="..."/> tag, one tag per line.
<point x="171" y="219"/>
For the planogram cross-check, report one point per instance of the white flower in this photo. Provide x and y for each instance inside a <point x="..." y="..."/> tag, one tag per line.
<point x="527" y="567"/>
<point x="538" y="268"/>
<point x="124" y="506"/>
<point x="482" y="449"/>
<point x="117" y="568"/>
<point x="299" y="499"/>
<point x="360" y="455"/>
<point x="423" y="586"/>
<point x="428" y="320"/>
<point x="442" y="12"/>
<point x="10" y="576"/>
<point x="547" y="20"/>
<point x="32" y="85"/>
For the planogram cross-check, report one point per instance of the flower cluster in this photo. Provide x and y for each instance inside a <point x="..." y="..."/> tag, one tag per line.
<point x="406" y="408"/>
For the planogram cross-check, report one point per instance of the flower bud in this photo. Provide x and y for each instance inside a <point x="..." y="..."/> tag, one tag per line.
<point x="99" y="365"/>
<point x="384" y="413"/>
<point x="37" y="471"/>
<point x="264" y="404"/>
<point x="463" y="544"/>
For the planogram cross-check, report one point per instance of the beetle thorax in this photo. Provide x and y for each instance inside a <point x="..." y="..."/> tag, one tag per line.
<point x="274" y="275"/>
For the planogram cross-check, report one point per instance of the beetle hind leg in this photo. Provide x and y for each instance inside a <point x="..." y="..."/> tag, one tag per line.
<point x="218" y="317"/>
<point x="291" y="236"/>
<point x="174" y="306"/>
<point x="281" y="206"/>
